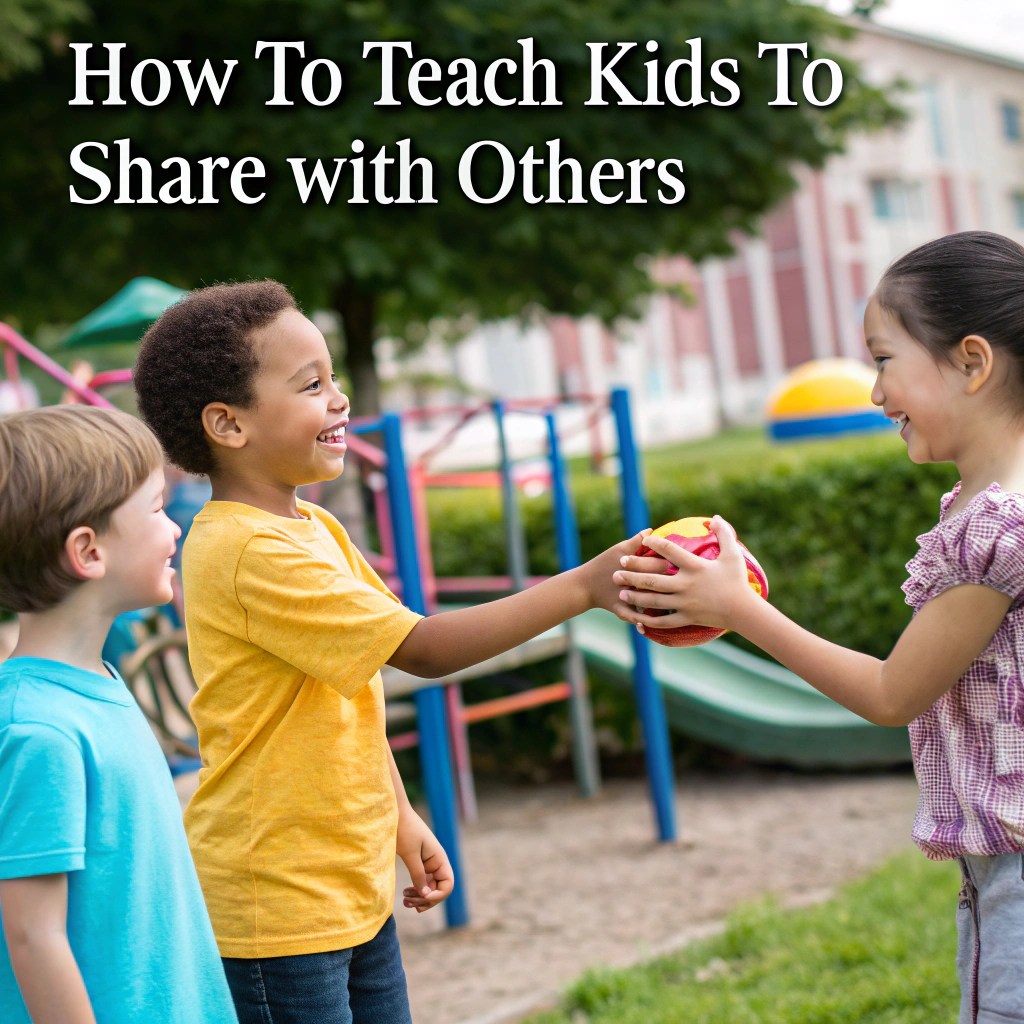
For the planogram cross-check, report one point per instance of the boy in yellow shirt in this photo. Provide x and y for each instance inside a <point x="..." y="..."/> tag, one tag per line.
<point x="300" y="808"/>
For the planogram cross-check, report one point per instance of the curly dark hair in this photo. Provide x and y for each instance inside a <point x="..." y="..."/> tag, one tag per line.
<point x="199" y="352"/>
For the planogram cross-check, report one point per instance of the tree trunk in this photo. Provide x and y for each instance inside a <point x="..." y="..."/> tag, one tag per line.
<point x="357" y="309"/>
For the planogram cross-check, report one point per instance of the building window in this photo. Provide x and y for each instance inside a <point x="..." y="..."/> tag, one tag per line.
<point x="894" y="200"/>
<point x="933" y="103"/>
<point x="1011" y="121"/>
<point x="1018" y="209"/>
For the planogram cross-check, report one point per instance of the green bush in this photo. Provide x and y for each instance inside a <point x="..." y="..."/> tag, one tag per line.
<point x="832" y="523"/>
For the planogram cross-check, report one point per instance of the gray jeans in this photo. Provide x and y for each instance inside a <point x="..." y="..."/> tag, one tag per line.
<point x="990" y="947"/>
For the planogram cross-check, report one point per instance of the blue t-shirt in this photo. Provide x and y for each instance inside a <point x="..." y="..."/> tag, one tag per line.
<point x="84" y="789"/>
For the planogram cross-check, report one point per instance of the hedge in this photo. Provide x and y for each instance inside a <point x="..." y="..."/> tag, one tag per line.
<point x="833" y="525"/>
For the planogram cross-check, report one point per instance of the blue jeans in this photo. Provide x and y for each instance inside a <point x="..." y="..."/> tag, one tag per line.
<point x="361" y="985"/>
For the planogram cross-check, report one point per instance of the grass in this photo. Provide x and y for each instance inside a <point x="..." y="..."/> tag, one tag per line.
<point x="880" y="952"/>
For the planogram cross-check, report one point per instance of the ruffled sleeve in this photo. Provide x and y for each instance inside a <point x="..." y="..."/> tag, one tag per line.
<point x="983" y="544"/>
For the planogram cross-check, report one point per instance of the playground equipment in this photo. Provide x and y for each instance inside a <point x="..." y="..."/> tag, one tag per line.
<point x="722" y="695"/>
<point x="14" y="345"/>
<point x="405" y="560"/>
<point x="823" y="398"/>
<point x="126" y="315"/>
<point x="574" y="689"/>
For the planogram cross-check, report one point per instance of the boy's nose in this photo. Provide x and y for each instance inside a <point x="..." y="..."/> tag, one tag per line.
<point x="341" y="402"/>
<point x="877" y="394"/>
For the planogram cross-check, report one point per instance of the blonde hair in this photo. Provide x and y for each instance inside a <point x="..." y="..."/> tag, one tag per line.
<point x="60" y="468"/>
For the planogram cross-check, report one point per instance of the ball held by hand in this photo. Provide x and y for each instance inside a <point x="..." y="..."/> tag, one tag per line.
<point x="694" y="534"/>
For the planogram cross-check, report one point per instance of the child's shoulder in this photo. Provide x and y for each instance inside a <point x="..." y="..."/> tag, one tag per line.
<point x="226" y="528"/>
<point x="979" y="542"/>
<point x="54" y="695"/>
<point x="987" y="514"/>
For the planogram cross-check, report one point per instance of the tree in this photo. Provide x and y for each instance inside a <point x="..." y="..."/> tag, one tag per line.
<point x="25" y="25"/>
<point x="383" y="267"/>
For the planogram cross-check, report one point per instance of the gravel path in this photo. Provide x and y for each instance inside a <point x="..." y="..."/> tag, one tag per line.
<point x="559" y="884"/>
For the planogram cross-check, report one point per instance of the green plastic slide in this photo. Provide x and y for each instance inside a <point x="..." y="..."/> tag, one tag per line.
<point x="732" y="699"/>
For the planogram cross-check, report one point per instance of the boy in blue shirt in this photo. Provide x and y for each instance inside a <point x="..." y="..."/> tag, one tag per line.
<point x="103" y="918"/>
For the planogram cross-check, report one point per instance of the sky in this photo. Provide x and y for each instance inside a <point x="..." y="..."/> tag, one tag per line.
<point x="993" y="25"/>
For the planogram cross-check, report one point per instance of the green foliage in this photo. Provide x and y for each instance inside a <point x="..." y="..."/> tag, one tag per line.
<point x="402" y="265"/>
<point x="881" y="951"/>
<point x="25" y="25"/>
<point x="832" y="523"/>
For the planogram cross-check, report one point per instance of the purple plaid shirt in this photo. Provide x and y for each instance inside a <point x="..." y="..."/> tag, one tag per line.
<point x="969" y="745"/>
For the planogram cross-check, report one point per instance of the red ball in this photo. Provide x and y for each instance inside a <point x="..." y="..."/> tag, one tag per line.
<point x="694" y="534"/>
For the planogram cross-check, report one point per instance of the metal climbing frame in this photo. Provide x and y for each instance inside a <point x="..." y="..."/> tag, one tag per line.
<point x="442" y="718"/>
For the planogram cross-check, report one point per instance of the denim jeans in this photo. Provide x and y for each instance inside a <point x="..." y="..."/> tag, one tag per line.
<point x="990" y="951"/>
<point x="361" y="985"/>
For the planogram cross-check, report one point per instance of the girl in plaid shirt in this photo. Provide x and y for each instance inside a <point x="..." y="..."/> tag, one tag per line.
<point x="945" y="328"/>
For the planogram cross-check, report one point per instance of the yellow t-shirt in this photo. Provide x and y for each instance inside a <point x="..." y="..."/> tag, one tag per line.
<point x="292" y="828"/>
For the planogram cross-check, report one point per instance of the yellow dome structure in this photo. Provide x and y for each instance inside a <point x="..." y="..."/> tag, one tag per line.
<point x="823" y="398"/>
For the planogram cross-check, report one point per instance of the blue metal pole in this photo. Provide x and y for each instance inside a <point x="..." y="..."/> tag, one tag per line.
<point x="567" y="536"/>
<point x="435" y="757"/>
<point x="650" y="704"/>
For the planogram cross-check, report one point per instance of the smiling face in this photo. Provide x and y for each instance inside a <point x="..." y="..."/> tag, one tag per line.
<point x="136" y="549"/>
<point x="294" y="432"/>
<point x="925" y="397"/>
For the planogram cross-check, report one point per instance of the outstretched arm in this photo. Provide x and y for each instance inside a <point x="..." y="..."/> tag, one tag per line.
<point x="35" y="927"/>
<point x="935" y="650"/>
<point x="445" y="643"/>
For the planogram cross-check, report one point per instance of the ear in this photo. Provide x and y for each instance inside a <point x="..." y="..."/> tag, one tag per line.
<point x="222" y="427"/>
<point x="974" y="358"/>
<point x="83" y="554"/>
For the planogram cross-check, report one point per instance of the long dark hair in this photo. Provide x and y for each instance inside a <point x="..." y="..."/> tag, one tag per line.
<point x="971" y="282"/>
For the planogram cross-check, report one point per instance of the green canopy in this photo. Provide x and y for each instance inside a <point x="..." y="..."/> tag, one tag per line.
<point x="126" y="315"/>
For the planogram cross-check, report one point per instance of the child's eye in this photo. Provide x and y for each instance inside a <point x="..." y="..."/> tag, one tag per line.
<point x="334" y="377"/>
<point x="315" y="386"/>
<point x="880" y="360"/>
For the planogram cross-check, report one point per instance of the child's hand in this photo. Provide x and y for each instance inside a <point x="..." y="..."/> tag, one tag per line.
<point x="703" y="592"/>
<point x="602" y="591"/>
<point x="431" y="873"/>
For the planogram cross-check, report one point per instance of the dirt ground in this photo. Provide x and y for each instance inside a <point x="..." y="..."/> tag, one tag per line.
<point x="559" y="884"/>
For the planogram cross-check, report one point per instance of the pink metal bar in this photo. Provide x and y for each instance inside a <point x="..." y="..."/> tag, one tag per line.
<point x="460" y="752"/>
<point x="449" y="435"/>
<point x="383" y="513"/>
<point x="105" y="378"/>
<point x="370" y="452"/>
<point x="380" y="563"/>
<point x="9" y="336"/>
<point x="11" y="365"/>
<point x="514" y="404"/>
<point x="404" y="741"/>
<point x="418" y="496"/>
<point x="469" y="478"/>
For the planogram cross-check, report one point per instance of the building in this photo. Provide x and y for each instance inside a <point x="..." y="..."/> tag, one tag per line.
<point x="798" y="290"/>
